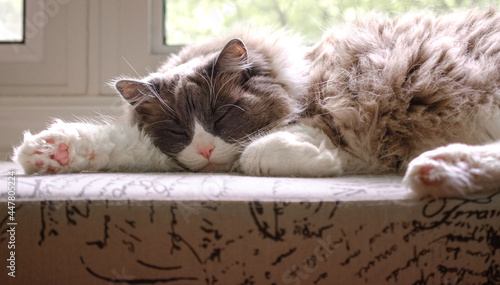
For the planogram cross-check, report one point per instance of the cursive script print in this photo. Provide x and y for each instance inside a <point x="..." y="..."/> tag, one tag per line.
<point x="107" y="234"/>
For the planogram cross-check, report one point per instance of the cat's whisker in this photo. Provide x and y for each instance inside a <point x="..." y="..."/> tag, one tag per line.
<point x="230" y="105"/>
<point x="204" y="78"/>
<point x="158" y="96"/>
<point x="130" y="65"/>
<point x="223" y="85"/>
<point x="166" y="111"/>
<point x="210" y="86"/>
<point x="150" y="87"/>
<point x="159" y="122"/>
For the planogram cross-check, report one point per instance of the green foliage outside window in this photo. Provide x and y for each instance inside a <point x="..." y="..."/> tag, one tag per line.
<point x="189" y="21"/>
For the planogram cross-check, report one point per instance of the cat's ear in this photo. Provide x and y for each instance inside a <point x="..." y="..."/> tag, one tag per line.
<point x="233" y="57"/>
<point x="132" y="90"/>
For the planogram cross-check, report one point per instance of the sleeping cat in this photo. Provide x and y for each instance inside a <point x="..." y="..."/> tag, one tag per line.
<point x="417" y="93"/>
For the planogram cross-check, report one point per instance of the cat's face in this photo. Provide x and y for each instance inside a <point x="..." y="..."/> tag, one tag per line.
<point x="204" y="111"/>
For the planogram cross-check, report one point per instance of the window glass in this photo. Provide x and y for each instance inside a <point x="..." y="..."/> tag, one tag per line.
<point x="11" y="21"/>
<point x="189" y="21"/>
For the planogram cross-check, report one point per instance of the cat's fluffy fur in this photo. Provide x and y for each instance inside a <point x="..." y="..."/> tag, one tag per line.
<point x="387" y="90"/>
<point x="368" y="98"/>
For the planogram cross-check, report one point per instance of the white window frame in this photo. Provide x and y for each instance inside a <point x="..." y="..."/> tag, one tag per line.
<point x="53" y="60"/>
<point x="31" y="50"/>
<point x="157" y="29"/>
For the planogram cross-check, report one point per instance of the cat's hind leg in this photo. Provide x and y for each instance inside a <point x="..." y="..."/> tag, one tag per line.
<point x="47" y="155"/>
<point x="455" y="170"/>
<point x="299" y="151"/>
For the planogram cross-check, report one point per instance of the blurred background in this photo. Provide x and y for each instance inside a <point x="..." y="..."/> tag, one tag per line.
<point x="186" y="21"/>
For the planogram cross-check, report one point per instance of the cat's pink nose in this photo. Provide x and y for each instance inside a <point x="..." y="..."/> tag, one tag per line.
<point x="206" y="151"/>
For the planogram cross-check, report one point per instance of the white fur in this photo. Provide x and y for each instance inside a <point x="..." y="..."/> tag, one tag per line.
<point x="221" y="159"/>
<point x="91" y="147"/>
<point x="348" y="64"/>
<point x="297" y="150"/>
<point x="460" y="169"/>
<point x="456" y="169"/>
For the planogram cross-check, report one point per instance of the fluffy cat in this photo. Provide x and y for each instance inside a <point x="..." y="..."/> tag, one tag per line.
<point x="417" y="93"/>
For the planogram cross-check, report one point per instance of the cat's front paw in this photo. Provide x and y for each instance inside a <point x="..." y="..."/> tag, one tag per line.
<point x="290" y="154"/>
<point x="59" y="149"/>
<point x="446" y="171"/>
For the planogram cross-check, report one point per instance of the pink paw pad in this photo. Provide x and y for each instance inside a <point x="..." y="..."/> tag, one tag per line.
<point x="60" y="155"/>
<point x="426" y="177"/>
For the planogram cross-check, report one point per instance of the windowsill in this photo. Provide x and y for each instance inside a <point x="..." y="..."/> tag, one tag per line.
<point x="39" y="101"/>
<point x="34" y="113"/>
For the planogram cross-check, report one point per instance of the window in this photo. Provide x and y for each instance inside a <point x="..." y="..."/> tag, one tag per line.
<point x="12" y="21"/>
<point x="16" y="44"/>
<point x="192" y="21"/>
<point x="189" y="21"/>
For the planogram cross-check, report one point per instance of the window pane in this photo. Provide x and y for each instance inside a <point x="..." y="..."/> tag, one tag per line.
<point x="189" y="21"/>
<point x="11" y="21"/>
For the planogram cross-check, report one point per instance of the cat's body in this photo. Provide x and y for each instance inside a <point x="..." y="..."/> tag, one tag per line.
<point x="368" y="98"/>
<point x="392" y="89"/>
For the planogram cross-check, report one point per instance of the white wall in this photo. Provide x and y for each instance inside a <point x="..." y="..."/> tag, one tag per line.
<point x="74" y="48"/>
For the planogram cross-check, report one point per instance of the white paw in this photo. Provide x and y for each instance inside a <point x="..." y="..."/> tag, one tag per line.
<point x="50" y="151"/>
<point x="297" y="153"/>
<point x="446" y="171"/>
<point x="42" y="153"/>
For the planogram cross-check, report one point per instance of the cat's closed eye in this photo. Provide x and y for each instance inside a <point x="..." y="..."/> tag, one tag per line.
<point x="226" y="113"/>
<point x="218" y="121"/>
<point x="177" y="132"/>
<point x="220" y="115"/>
<point x="173" y="129"/>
